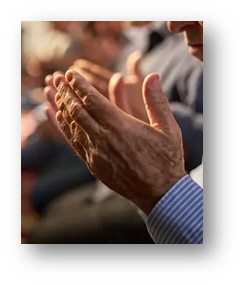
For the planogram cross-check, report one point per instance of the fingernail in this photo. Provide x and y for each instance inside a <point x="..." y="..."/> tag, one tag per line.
<point x="57" y="97"/>
<point x="46" y="90"/>
<point x="73" y="126"/>
<point x="57" y="80"/>
<point x="58" y="116"/>
<point x="48" y="79"/>
<point x="155" y="83"/>
<point x="69" y="76"/>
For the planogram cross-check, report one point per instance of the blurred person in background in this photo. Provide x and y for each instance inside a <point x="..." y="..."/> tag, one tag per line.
<point x="45" y="194"/>
<point x="46" y="47"/>
<point x="55" y="45"/>
<point x="182" y="78"/>
<point x="155" y="181"/>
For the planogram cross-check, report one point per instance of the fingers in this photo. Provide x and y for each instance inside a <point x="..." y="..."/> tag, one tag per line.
<point x="93" y="69"/>
<point x="98" y="76"/>
<point x="69" y="130"/>
<point x="51" y="114"/>
<point x="156" y="103"/>
<point x="97" y="82"/>
<point x="72" y="108"/>
<point x="49" y="78"/>
<point x="79" y="140"/>
<point x="72" y="134"/>
<point x="49" y="92"/>
<point x="60" y="102"/>
<point x="57" y="73"/>
<point x="117" y="92"/>
<point x="76" y="143"/>
<point x="133" y="63"/>
<point x="102" y="110"/>
<point x="65" y="128"/>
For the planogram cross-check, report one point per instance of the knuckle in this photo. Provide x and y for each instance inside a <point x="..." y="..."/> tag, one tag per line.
<point x="62" y="89"/>
<point x="60" y="104"/>
<point x="104" y="128"/>
<point x="80" y="90"/>
<point x="160" y="100"/>
<point x="62" y="124"/>
<point x="65" y="129"/>
<point x="68" y="100"/>
<point x="66" y="115"/>
<point x="76" y="83"/>
<point x="75" y="110"/>
<point x="88" y="100"/>
<point x="73" y="127"/>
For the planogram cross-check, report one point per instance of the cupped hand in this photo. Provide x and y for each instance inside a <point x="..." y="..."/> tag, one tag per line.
<point x="126" y="91"/>
<point x="97" y="75"/>
<point x="137" y="160"/>
<point x="123" y="90"/>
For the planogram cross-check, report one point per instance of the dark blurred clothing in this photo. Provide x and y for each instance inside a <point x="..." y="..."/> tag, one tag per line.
<point x="182" y="81"/>
<point x="191" y="125"/>
<point x="57" y="167"/>
<point x="27" y="102"/>
<point x="103" y="217"/>
<point x="180" y="73"/>
<point x="76" y="218"/>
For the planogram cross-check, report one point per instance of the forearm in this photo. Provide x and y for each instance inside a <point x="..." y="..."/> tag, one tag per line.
<point x="178" y="216"/>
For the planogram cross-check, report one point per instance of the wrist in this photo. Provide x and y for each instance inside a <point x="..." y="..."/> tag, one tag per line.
<point x="156" y="194"/>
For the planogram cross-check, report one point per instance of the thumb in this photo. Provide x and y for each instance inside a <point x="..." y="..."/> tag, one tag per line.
<point x="133" y="63"/>
<point x="156" y="103"/>
<point x="117" y="92"/>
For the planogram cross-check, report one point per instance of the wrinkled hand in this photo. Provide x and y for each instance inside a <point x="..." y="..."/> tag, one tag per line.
<point x="137" y="160"/>
<point x="97" y="75"/>
<point x="124" y="91"/>
<point x="49" y="93"/>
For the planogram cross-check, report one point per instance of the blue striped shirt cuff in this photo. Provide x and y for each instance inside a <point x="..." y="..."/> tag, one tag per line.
<point x="178" y="216"/>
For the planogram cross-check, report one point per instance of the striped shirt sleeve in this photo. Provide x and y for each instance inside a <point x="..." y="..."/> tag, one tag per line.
<point x="178" y="216"/>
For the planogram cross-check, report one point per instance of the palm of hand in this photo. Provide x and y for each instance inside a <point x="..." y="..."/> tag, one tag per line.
<point x="126" y="92"/>
<point x="133" y="96"/>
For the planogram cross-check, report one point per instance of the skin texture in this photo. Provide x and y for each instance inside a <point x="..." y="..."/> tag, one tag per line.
<point x="97" y="75"/>
<point x="137" y="160"/>
<point x="49" y="93"/>
<point x="124" y="91"/>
